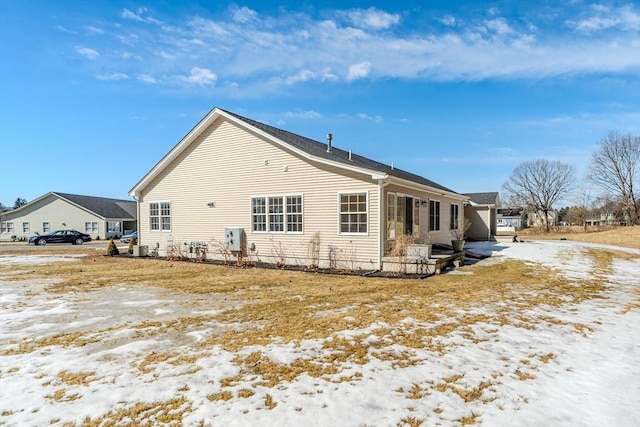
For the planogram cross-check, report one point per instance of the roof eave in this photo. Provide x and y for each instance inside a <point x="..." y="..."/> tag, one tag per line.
<point x="440" y="191"/>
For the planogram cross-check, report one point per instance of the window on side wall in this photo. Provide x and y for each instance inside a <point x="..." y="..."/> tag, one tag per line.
<point x="160" y="216"/>
<point x="45" y="227"/>
<point x="277" y="214"/>
<point x="26" y="227"/>
<point x="90" y="227"/>
<point x="354" y="213"/>
<point x="434" y="215"/>
<point x="454" y="217"/>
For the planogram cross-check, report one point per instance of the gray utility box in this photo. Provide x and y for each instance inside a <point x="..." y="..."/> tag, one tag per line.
<point x="234" y="239"/>
<point x="140" y="250"/>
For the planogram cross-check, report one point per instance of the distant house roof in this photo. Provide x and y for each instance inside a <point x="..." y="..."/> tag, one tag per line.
<point x="510" y="212"/>
<point x="100" y="206"/>
<point x="492" y="198"/>
<point x="308" y="147"/>
<point x="104" y="207"/>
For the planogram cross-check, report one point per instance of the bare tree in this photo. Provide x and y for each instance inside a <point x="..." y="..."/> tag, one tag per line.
<point x="615" y="167"/>
<point x="582" y="198"/>
<point x="539" y="184"/>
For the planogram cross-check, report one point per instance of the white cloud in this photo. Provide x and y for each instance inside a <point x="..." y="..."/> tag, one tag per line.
<point x="499" y="25"/>
<point x="359" y="71"/>
<point x="269" y="53"/>
<point x="244" y="15"/>
<point x="200" y="76"/>
<point x="146" y="78"/>
<point x="65" y="30"/>
<point x="376" y="119"/>
<point x="448" y="20"/>
<point x="93" y="30"/>
<point x="303" y="114"/>
<point x="372" y="18"/>
<point x="625" y="18"/>
<point x="87" y="52"/>
<point x="112" y="76"/>
<point x="301" y="76"/>
<point x="138" y="16"/>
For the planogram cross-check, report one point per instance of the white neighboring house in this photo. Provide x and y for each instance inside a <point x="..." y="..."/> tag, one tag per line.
<point x="97" y="216"/>
<point x="297" y="201"/>
<point x="511" y="219"/>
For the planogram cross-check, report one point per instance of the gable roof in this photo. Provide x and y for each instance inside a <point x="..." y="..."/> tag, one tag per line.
<point x="491" y="198"/>
<point x="306" y="147"/>
<point x="100" y="206"/>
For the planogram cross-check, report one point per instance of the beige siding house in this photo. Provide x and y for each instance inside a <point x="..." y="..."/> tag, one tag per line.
<point x="481" y="210"/>
<point x="96" y="216"/>
<point x="297" y="201"/>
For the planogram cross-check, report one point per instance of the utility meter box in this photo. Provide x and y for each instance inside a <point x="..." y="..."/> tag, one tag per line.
<point x="234" y="239"/>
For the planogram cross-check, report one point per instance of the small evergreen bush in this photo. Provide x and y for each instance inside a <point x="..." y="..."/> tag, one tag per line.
<point x="112" y="249"/>
<point x="132" y="243"/>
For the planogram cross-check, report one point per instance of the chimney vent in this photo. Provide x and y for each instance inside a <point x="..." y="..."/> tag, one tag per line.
<point x="329" y="138"/>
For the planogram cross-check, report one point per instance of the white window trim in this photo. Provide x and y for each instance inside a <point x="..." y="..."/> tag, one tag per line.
<point x="284" y="213"/>
<point x="160" y="230"/>
<point x="350" y="233"/>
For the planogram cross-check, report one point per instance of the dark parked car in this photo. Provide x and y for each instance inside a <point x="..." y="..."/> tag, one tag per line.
<point x="127" y="237"/>
<point x="61" y="236"/>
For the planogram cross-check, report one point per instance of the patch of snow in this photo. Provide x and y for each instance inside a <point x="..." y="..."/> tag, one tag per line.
<point x="547" y="373"/>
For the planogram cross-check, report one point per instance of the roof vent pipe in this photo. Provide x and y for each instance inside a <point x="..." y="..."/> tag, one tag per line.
<point x="350" y="155"/>
<point x="329" y="138"/>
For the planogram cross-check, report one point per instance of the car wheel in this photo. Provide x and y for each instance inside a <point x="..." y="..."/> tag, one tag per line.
<point x="41" y="242"/>
<point x="79" y="241"/>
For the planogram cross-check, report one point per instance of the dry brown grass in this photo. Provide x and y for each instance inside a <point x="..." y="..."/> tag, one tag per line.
<point x="169" y="412"/>
<point x="628" y="237"/>
<point x="280" y="306"/>
<point x="291" y="306"/>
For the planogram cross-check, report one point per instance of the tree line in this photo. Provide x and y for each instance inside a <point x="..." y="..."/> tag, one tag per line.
<point x="614" y="168"/>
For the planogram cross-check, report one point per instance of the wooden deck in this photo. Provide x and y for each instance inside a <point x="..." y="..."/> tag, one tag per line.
<point x="439" y="260"/>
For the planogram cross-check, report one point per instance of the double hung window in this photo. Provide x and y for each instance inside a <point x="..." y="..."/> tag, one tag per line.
<point x="354" y="213"/>
<point x="160" y="216"/>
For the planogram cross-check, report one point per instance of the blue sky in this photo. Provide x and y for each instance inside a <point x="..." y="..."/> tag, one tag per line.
<point x="93" y="94"/>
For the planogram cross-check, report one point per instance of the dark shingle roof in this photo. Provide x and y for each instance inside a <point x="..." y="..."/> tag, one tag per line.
<point x="104" y="207"/>
<point x="483" y="198"/>
<point x="319" y="149"/>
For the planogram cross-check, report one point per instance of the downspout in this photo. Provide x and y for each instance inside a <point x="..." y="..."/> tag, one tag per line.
<point x="489" y="224"/>
<point x="137" y="218"/>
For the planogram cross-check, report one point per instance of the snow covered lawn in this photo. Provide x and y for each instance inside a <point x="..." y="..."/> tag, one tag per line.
<point x="541" y="333"/>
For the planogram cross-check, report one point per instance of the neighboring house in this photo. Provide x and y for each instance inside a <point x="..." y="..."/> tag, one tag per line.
<point x="97" y="216"/>
<point x="296" y="200"/>
<point x="607" y="219"/>
<point x="481" y="211"/>
<point x="511" y="219"/>
<point x="538" y="219"/>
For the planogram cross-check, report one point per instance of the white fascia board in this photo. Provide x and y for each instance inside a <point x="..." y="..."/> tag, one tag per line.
<point x="417" y="186"/>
